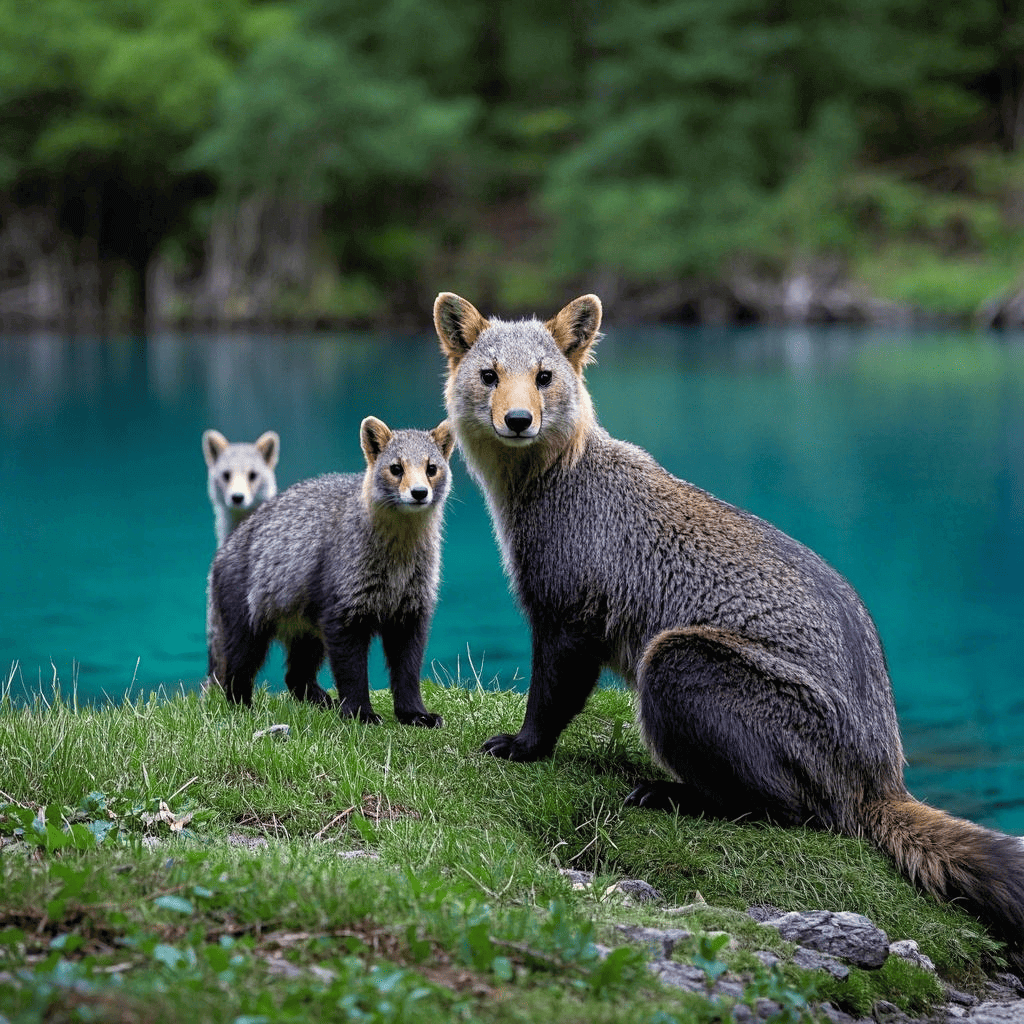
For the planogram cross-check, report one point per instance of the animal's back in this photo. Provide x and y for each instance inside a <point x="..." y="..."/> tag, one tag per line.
<point x="633" y="551"/>
<point x="284" y="551"/>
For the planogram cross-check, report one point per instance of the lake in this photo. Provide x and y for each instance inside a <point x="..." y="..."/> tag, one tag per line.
<point x="898" y="457"/>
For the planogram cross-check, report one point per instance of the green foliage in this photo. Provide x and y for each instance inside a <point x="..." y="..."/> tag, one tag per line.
<point x="517" y="148"/>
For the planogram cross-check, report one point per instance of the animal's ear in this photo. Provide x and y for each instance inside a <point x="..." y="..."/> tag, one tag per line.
<point x="214" y="442"/>
<point x="575" y="329"/>
<point x="269" y="446"/>
<point x="443" y="438"/>
<point x="458" y="324"/>
<point x="374" y="435"/>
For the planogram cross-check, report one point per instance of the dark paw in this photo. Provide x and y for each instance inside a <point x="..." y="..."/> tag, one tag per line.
<point x="366" y="715"/>
<point x="658" y="796"/>
<point x="424" y="719"/>
<point x="511" y="748"/>
<point x="315" y="695"/>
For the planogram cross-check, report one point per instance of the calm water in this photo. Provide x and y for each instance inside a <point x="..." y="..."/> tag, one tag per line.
<point x="899" y="458"/>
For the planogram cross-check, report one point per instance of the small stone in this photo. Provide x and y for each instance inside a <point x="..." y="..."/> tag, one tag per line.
<point x="660" y="942"/>
<point x="279" y="732"/>
<point x="764" y="912"/>
<point x="768" y="958"/>
<point x="634" y="889"/>
<point x="579" y="880"/>
<point x="908" y="949"/>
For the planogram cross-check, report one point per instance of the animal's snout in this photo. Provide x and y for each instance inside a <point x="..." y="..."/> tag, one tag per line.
<point x="237" y="499"/>
<point x="518" y="420"/>
<point x="419" y="493"/>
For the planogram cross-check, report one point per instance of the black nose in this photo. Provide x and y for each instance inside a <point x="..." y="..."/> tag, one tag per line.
<point x="237" y="499"/>
<point x="517" y="420"/>
<point x="419" y="493"/>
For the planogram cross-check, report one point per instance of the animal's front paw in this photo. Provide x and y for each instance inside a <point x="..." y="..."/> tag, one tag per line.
<point x="511" y="748"/>
<point x="367" y="715"/>
<point x="424" y="719"/>
<point x="660" y="796"/>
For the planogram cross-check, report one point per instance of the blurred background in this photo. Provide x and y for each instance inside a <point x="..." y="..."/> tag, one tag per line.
<point x="325" y="162"/>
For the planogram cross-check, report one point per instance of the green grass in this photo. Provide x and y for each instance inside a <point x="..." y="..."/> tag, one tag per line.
<point x="463" y="915"/>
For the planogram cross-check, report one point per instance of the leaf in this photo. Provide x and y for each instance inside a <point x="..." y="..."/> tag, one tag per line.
<point x="176" y="903"/>
<point x="170" y="956"/>
<point x="502" y="968"/>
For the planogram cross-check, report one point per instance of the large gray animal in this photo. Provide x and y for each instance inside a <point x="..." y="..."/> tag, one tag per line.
<point x="329" y="564"/>
<point x="762" y="688"/>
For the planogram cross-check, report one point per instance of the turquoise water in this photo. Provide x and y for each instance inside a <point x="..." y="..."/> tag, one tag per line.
<point x="897" y="457"/>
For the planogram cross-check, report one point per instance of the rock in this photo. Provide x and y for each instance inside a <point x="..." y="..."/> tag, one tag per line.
<point x="634" y="889"/>
<point x="998" y="1013"/>
<point x="764" y="912"/>
<point x="578" y="879"/>
<point x="888" y="1013"/>
<point x="838" y="933"/>
<point x="685" y="976"/>
<point x="909" y="950"/>
<point x="813" y="960"/>
<point x="768" y="958"/>
<point x="280" y="732"/>
<point x="659" y="942"/>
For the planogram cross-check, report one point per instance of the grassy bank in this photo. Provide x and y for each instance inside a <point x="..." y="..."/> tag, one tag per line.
<point x="159" y="863"/>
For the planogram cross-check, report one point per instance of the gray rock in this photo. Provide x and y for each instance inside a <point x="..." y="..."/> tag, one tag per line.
<point x="888" y="1013"/>
<point x="578" y="879"/>
<point x="908" y="949"/>
<point x="998" y="1013"/>
<point x="839" y="933"/>
<point x="685" y="976"/>
<point x="635" y="889"/>
<point x="281" y="731"/>
<point x="768" y="958"/>
<point x="764" y="912"/>
<point x="813" y="960"/>
<point x="1011" y="981"/>
<point x="659" y="941"/>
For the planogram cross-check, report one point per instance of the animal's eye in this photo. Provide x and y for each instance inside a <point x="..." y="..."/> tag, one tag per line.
<point x="488" y="377"/>
<point x="395" y="468"/>
<point x="226" y="476"/>
<point x="252" y="476"/>
<point x="543" y="378"/>
<point x="431" y="469"/>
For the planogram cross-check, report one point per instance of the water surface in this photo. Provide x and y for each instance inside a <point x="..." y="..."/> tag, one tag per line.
<point x="899" y="458"/>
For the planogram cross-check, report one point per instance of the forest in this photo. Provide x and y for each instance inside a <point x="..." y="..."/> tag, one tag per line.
<point x="332" y="162"/>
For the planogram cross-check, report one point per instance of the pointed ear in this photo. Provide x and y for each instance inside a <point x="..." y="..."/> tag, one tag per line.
<point x="214" y="442"/>
<point x="443" y="438"/>
<point x="374" y="435"/>
<point x="575" y="329"/>
<point x="458" y="325"/>
<point x="269" y="446"/>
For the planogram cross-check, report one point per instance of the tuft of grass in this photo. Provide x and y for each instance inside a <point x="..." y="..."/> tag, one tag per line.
<point x="155" y="855"/>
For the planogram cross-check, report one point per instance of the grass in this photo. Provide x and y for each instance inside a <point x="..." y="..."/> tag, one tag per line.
<point x="158" y="863"/>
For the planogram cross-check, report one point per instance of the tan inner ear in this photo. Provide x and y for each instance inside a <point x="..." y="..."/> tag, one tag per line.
<point x="575" y="328"/>
<point x="458" y="324"/>
<point x="214" y="442"/>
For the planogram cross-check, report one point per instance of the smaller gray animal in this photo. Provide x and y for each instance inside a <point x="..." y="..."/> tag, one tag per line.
<point x="329" y="564"/>
<point x="240" y="477"/>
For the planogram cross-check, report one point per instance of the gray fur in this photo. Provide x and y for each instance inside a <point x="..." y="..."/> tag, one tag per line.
<point x="762" y="687"/>
<point x="329" y="564"/>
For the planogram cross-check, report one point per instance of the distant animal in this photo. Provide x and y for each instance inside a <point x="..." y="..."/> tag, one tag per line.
<point x="240" y="477"/>
<point x="762" y="687"/>
<point x="332" y="562"/>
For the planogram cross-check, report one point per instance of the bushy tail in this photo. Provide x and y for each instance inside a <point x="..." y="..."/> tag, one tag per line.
<point x="956" y="859"/>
